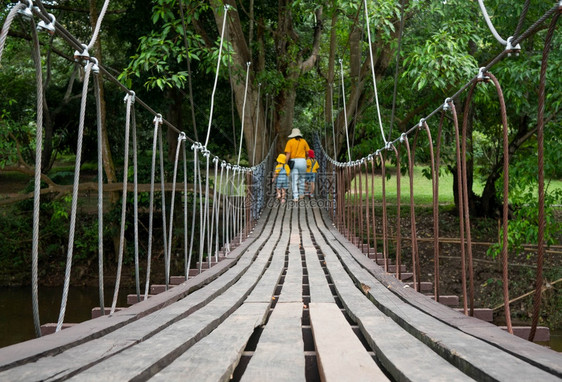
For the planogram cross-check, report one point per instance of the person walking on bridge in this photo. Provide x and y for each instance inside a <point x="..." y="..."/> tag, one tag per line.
<point x="296" y="151"/>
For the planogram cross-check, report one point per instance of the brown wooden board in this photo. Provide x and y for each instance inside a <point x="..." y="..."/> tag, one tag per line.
<point x="340" y="355"/>
<point x="468" y="353"/>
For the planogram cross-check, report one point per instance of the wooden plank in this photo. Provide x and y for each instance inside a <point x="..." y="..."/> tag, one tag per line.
<point x="318" y="285"/>
<point x="279" y="355"/>
<point x="264" y="290"/>
<point x="401" y="354"/>
<point x="466" y="352"/>
<point x="146" y="358"/>
<point x="29" y="351"/>
<point x="215" y="357"/>
<point x="534" y="354"/>
<point x="292" y="286"/>
<point x="340" y="354"/>
<point x="66" y="363"/>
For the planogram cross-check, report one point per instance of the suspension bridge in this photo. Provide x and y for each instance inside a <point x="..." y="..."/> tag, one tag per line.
<point x="287" y="291"/>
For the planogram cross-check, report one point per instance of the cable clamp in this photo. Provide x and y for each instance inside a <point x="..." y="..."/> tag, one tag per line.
<point x="27" y="13"/>
<point x="82" y="57"/>
<point x="216" y="159"/>
<point x="560" y="6"/>
<point x="510" y="49"/>
<point x="130" y="95"/>
<point x="482" y="77"/>
<point x="404" y="137"/>
<point x="421" y="123"/>
<point x="158" y="119"/>
<point x="50" y="27"/>
<point x="206" y="153"/>
<point x="446" y="106"/>
<point x="181" y="137"/>
<point x="378" y="152"/>
<point x="95" y="67"/>
<point x="388" y="146"/>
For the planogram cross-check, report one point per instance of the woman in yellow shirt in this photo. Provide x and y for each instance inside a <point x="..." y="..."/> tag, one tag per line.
<point x="296" y="150"/>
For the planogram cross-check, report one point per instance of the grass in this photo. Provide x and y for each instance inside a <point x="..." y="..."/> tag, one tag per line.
<point x="423" y="192"/>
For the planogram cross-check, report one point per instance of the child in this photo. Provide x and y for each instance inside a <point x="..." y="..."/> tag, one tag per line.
<point x="311" y="169"/>
<point x="281" y="173"/>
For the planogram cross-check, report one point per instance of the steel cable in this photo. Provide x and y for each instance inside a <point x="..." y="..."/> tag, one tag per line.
<point x="136" y="206"/>
<point x="100" y="192"/>
<point x="7" y="24"/>
<point x="129" y="99"/>
<point x="157" y="123"/>
<point x="74" y="205"/>
<point x="36" y="53"/>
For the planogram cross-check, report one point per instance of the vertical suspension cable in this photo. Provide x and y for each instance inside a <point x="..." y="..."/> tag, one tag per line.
<point x="256" y="126"/>
<point x="38" y="164"/>
<point x="185" y="210"/>
<point x="398" y="217"/>
<point x="466" y="209"/>
<point x="332" y="119"/>
<point x="384" y="214"/>
<point x="505" y="209"/>
<point x="100" y="191"/>
<point x="460" y="198"/>
<point x="540" y="170"/>
<point x="74" y="206"/>
<point x="372" y="159"/>
<point x="435" y="185"/>
<point x="195" y="148"/>
<point x="344" y="110"/>
<point x="157" y="123"/>
<point x="136" y="206"/>
<point x="373" y="71"/>
<point x="129" y="99"/>
<point x="215" y="217"/>
<point x="205" y="210"/>
<point x="226" y="8"/>
<point x="413" y="234"/>
<point x="168" y="255"/>
<point x="243" y="112"/>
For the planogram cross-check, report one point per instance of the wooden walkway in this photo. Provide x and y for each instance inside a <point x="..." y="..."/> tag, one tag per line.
<point x="294" y="302"/>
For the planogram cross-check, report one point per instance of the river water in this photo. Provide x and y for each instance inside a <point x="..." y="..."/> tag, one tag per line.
<point x="16" y="314"/>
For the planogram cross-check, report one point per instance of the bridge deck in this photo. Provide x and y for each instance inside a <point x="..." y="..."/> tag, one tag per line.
<point x="296" y="301"/>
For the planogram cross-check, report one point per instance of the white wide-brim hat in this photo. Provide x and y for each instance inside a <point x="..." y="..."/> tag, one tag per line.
<point x="295" y="133"/>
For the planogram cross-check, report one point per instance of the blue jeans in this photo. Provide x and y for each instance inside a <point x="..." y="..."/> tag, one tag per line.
<point x="298" y="174"/>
